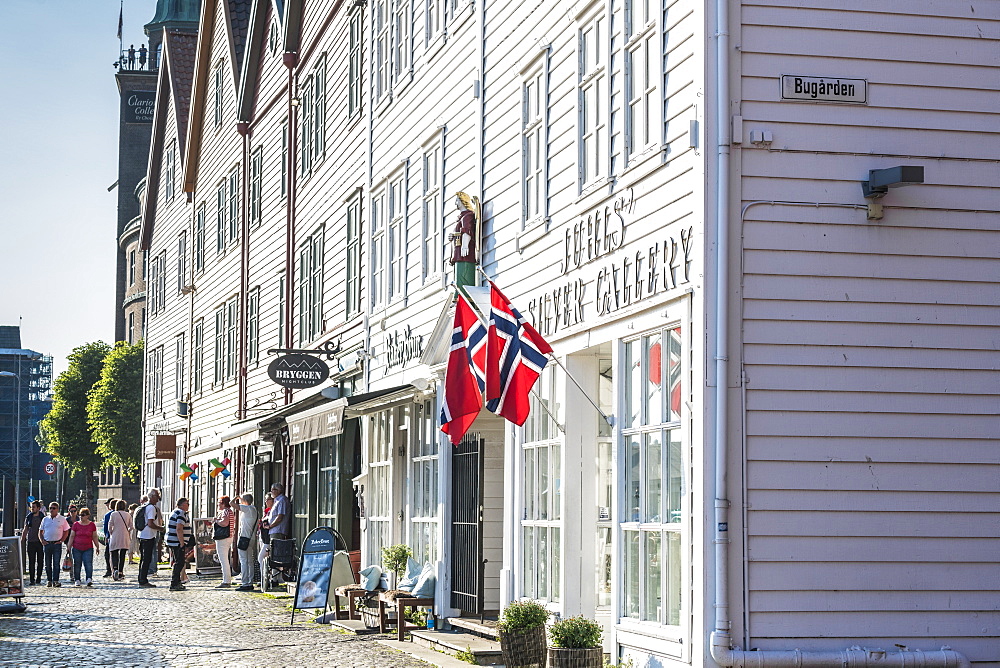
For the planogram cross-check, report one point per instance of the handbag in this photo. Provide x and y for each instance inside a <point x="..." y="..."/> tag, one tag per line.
<point x="220" y="532"/>
<point x="244" y="543"/>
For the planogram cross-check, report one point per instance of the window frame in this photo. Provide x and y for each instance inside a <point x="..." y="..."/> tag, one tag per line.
<point x="219" y="90"/>
<point x="643" y="35"/>
<point x="253" y="325"/>
<point x="379" y="256"/>
<point x="355" y="60"/>
<point x="353" y="267"/>
<point x="199" y="238"/>
<point x="535" y="131"/>
<point x="397" y="217"/>
<point x="182" y="266"/>
<point x="425" y="494"/>
<point x="197" y="356"/>
<point x="432" y="209"/>
<point x="635" y="519"/>
<point x="256" y="170"/>
<point x="179" y="369"/>
<point x="310" y="281"/>
<point x="169" y="172"/>
<point x="593" y="93"/>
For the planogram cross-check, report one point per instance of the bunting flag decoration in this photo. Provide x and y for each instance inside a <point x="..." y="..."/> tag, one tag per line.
<point x="465" y="376"/>
<point x="516" y="354"/>
<point x="220" y="467"/>
<point x="188" y="472"/>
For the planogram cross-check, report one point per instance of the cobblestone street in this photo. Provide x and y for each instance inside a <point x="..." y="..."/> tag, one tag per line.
<point x="204" y="626"/>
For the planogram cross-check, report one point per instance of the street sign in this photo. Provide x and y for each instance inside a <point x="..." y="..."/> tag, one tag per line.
<point x="50" y="468"/>
<point x="30" y="499"/>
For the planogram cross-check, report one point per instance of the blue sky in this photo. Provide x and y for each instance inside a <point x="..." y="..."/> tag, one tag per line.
<point x="58" y="155"/>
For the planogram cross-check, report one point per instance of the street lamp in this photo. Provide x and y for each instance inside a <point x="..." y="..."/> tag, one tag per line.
<point x="17" y="438"/>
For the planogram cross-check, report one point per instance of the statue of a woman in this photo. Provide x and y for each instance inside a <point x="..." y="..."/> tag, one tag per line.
<point x="464" y="236"/>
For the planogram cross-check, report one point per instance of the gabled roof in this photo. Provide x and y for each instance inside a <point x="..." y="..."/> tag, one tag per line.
<point x="174" y="81"/>
<point x="289" y="14"/>
<point x="237" y="21"/>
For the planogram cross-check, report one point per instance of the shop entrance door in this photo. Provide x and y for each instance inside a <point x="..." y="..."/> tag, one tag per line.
<point x="467" y="525"/>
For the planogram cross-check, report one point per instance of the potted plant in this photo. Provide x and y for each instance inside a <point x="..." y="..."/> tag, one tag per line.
<point x="394" y="560"/>
<point x="576" y="643"/>
<point x="522" y="634"/>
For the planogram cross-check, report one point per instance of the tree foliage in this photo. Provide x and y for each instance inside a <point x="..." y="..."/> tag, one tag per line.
<point x="65" y="432"/>
<point x="115" y="407"/>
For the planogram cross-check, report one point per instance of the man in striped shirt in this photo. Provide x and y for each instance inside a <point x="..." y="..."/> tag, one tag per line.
<point x="178" y="527"/>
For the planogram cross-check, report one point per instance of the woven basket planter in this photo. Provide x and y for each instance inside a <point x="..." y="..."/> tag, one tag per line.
<point x="576" y="658"/>
<point x="523" y="649"/>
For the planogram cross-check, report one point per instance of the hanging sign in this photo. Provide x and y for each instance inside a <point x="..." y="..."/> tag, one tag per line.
<point x="11" y="568"/>
<point x="166" y="446"/>
<point x="298" y="371"/>
<point x="315" y="569"/>
<point x="824" y="89"/>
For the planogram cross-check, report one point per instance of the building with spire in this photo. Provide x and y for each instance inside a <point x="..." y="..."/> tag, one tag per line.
<point x="137" y="90"/>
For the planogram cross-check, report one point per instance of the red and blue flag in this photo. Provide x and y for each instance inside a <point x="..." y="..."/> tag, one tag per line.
<point x="516" y="354"/>
<point x="465" y="376"/>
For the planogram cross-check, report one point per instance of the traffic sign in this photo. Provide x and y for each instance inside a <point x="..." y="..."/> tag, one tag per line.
<point x="30" y="499"/>
<point x="50" y="468"/>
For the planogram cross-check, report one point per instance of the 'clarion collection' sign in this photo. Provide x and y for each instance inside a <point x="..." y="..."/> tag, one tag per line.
<point x="298" y="371"/>
<point x="138" y="106"/>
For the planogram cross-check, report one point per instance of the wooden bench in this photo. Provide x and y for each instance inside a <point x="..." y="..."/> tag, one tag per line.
<point x="352" y="593"/>
<point x="400" y="600"/>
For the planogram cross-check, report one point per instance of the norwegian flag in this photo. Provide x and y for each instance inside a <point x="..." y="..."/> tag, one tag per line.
<point x="464" y="380"/>
<point x="515" y="357"/>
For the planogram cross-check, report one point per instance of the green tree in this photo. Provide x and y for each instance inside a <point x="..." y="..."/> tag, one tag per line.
<point x="115" y="407"/>
<point x="65" y="431"/>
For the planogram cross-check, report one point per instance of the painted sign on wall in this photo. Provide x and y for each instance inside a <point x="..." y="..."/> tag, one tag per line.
<point x="138" y="106"/>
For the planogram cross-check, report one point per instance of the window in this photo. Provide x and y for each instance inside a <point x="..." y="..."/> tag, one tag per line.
<point x="197" y="356"/>
<point x="182" y="275"/>
<point x="154" y="399"/>
<point x="131" y="267"/>
<point x="433" y="210"/>
<point x="158" y="282"/>
<point x="131" y="327"/>
<point x="253" y="326"/>
<point x="424" y="526"/>
<point x="256" y="167"/>
<point x="540" y="528"/>
<point x="354" y="66"/>
<point x="642" y="73"/>
<point x="380" y="11"/>
<point x="231" y="340"/>
<point x="179" y="367"/>
<point x="379" y="488"/>
<point x="219" y="82"/>
<point x="199" y="238"/>
<point x="604" y="490"/>
<point x="435" y="19"/>
<point x="170" y="171"/>
<point x="352" y="282"/>
<point x="593" y="98"/>
<point x="313" y="148"/>
<point x="152" y="276"/>
<point x="225" y="341"/>
<point x="534" y="145"/>
<point x="284" y="157"/>
<point x="402" y="44"/>
<point x="652" y="520"/>
<point x="397" y="236"/>
<point x="281" y="310"/>
<point x="311" y="288"/>
<point x="378" y="248"/>
<point x="234" y="206"/>
<point x="220" y="217"/>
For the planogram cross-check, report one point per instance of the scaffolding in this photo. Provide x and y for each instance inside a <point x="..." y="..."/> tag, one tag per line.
<point x="25" y="398"/>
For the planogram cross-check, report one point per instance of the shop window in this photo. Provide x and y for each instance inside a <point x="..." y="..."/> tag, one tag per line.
<point x="541" y="524"/>
<point x="424" y="524"/>
<point x="653" y="521"/>
<point x="604" y="490"/>
<point x="327" y="490"/>
<point x="378" y="489"/>
<point x="303" y="495"/>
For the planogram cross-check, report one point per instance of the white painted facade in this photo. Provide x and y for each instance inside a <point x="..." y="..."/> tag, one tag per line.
<point x="862" y="472"/>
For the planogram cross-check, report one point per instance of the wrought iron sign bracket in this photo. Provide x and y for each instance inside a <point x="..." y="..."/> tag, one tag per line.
<point x="331" y="349"/>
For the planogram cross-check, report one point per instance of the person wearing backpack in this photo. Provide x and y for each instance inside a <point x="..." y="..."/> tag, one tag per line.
<point x="150" y="529"/>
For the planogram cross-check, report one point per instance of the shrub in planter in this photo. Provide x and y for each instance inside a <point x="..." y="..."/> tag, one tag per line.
<point x="576" y="643"/>
<point x="394" y="559"/>
<point x="522" y="634"/>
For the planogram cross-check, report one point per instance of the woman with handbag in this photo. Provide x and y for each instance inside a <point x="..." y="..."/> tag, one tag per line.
<point x="120" y="527"/>
<point x="224" y="529"/>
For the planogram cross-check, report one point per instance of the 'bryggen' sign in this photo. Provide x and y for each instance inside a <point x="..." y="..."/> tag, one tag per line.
<point x="298" y="371"/>
<point x="824" y="89"/>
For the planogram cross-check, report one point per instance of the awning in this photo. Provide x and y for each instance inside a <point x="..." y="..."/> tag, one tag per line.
<point x="379" y="400"/>
<point x="241" y="433"/>
<point x="319" y="422"/>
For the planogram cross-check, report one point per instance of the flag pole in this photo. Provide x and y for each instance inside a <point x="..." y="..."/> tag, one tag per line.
<point x="484" y="321"/>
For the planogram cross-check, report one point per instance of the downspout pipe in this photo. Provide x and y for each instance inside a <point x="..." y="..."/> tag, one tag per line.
<point x="290" y="60"/>
<point x="241" y="390"/>
<point x="720" y="639"/>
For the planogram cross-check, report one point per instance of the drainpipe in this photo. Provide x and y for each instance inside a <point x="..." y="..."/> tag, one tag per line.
<point x="290" y="60"/>
<point x="720" y="639"/>
<point x="241" y="380"/>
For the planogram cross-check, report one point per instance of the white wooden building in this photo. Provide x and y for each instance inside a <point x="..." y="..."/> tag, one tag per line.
<point x="802" y="445"/>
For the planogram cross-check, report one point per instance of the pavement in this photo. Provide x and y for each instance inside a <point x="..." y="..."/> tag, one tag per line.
<point x="204" y="626"/>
